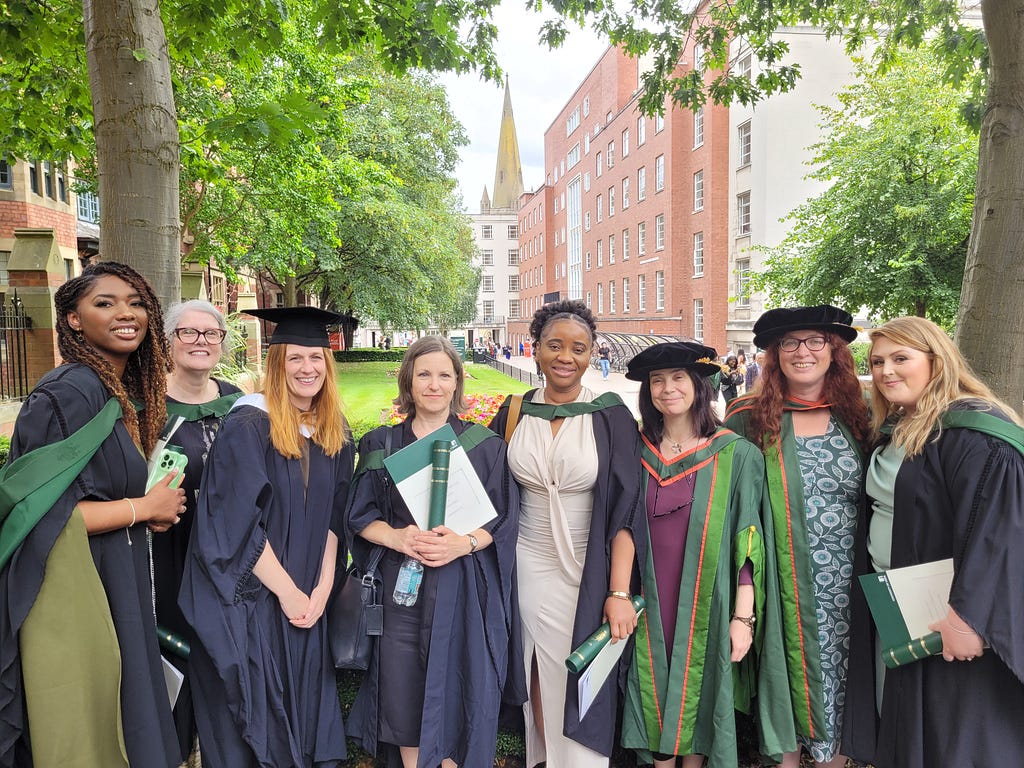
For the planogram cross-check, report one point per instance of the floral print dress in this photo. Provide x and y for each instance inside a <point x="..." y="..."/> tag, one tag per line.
<point x="831" y="483"/>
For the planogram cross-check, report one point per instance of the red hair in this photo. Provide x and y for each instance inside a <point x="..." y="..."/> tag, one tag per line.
<point x="842" y="390"/>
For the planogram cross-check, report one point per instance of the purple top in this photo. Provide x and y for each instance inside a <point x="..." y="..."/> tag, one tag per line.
<point x="668" y="517"/>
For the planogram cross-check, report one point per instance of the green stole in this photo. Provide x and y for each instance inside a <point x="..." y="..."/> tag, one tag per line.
<point x="470" y="438"/>
<point x="196" y="411"/>
<point x="550" y="412"/>
<point x="75" y="690"/>
<point x="679" y="672"/>
<point x="30" y="486"/>
<point x="796" y="582"/>
<point x="979" y="421"/>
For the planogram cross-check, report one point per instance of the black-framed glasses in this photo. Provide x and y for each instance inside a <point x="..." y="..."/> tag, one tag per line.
<point x="813" y="343"/>
<point x="191" y="335"/>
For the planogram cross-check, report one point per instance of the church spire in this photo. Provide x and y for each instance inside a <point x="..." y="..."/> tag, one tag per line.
<point x="508" y="172"/>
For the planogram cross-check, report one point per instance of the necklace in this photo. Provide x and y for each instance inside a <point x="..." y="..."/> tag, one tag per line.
<point x="677" y="445"/>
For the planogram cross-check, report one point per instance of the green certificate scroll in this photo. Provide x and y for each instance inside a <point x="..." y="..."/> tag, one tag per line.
<point x="440" y="456"/>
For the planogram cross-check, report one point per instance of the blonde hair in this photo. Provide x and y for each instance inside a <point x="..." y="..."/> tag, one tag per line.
<point x="324" y="419"/>
<point x="951" y="379"/>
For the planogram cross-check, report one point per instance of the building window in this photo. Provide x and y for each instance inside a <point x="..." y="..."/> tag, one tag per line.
<point x="611" y="297"/>
<point x="659" y="232"/>
<point x="698" y="319"/>
<point x="600" y="254"/>
<point x="659" y="291"/>
<point x="600" y="168"/>
<point x="513" y="257"/>
<point x="600" y="298"/>
<point x="573" y="157"/>
<point x="611" y="249"/>
<point x="611" y="154"/>
<point x="62" y="183"/>
<point x="513" y="231"/>
<point x="625" y="194"/>
<point x="600" y="209"/>
<point x="698" y="58"/>
<point x="625" y="142"/>
<point x="743" y="144"/>
<point x="487" y="283"/>
<point x="641" y="239"/>
<point x="698" y="127"/>
<point x="586" y="106"/>
<point x="48" y="185"/>
<point x="698" y="254"/>
<point x="33" y="177"/>
<point x="488" y="311"/>
<point x="743" y="282"/>
<point x="641" y="131"/>
<point x="659" y="123"/>
<point x="641" y="293"/>
<point x="743" y="213"/>
<point x="513" y="309"/>
<point x="5" y="258"/>
<point x="698" y="191"/>
<point x="611" y="201"/>
<point x="625" y="244"/>
<point x="487" y="258"/>
<point x="69" y="268"/>
<point x="659" y="173"/>
<point x="586" y="181"/>
<point x="486" y="232"/>
<point x="586" y="221"/>
<point x="588" y="261"/>
<point x="218" y="291"/>
<point x="743" y="67"/>
<point x="88" y="207"/>
<point x="586" y="143"/>
<point x="556" y="204"/>
<point x="625" y="295"/>
<point x="573" y="121"/>
<point x="513" y="282"/>
<point x="641" y="184"/>
<point x="588" y="300"/>
<point x="6" y="178"/>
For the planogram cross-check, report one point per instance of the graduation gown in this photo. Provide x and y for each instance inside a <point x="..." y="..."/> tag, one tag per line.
<point x="618" y="505"/>
<point x="680" y="700"/>
<point x="264" y="691"/>
<point x="104" y="673"/>
<point x="463" y="617"/>
<point x="195" y="437"/>
<point x="786" y="505"/>
<point x="961" y="497"/>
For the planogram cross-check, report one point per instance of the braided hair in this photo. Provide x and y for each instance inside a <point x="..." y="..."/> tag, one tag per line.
<point x="145" y="374"/>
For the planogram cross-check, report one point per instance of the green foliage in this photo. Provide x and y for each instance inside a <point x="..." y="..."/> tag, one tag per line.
<point x="860" y="351"/>
<point x="5" y="449"/>
<point x="890" y="232"/>
<point x="369" y="355"/>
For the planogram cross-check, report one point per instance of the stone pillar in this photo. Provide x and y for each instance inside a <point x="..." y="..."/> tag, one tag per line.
<point x="36" y="271"/>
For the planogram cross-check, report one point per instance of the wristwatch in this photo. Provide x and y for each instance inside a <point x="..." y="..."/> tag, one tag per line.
<point x="473" y="543"/>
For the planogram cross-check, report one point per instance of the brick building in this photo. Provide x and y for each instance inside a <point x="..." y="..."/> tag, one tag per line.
<point x="634" y="211"/>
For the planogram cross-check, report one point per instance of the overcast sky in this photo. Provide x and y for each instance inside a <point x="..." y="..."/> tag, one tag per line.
<point x="540" y="80"/>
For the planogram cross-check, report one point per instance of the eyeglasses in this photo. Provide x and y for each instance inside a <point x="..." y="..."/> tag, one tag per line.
<point x="191" y="335"/>
<point x="813" y="343"/>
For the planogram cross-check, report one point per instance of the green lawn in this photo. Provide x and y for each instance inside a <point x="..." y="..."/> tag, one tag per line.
<point x="367" y="389"/>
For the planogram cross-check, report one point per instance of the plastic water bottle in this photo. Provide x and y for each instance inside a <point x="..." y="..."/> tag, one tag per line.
<point x="407" y="586"/>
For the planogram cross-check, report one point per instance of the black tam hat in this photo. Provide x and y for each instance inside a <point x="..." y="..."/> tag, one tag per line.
<point x="824" y="317"/>
<point x="303" y="326"/>
<point x="671" y="355"/>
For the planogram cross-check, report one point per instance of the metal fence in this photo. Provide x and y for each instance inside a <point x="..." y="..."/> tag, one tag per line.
<point x="533" y="379"/>
<point x="14" y="328"/>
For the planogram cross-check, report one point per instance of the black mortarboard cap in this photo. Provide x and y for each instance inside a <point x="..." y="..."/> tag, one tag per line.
<point x="304" y="326"/>
<point x="777" y="322"/>
<point x="673" y="354"/>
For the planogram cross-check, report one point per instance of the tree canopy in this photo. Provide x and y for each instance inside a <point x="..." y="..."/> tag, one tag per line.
<point x="890" y="232"/>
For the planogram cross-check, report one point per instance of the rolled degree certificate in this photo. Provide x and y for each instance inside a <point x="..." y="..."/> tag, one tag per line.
<point x="915" y="650"/>
<point x="579" y="659"/>
<point x="440" y="455"/>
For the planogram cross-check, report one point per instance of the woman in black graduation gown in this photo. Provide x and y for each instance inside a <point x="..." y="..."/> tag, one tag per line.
<point x="433" y="689"/>
<point x="945" y="481"/>
<point x="262" y="558"/>
<point x="79" y="662"/>
<point x="196" y="332"/>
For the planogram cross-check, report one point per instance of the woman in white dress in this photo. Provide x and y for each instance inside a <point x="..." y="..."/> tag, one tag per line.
<point x="576" y="458"/>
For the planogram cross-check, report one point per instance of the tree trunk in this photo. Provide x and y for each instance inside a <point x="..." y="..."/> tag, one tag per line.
<point x="990" y="326"/>
<point x="136" y="127"/>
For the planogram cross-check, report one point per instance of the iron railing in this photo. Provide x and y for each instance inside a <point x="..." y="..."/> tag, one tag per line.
<point x="14" y="328"/>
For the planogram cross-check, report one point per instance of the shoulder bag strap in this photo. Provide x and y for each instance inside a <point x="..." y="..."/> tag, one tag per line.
<point x="515" y="406"/>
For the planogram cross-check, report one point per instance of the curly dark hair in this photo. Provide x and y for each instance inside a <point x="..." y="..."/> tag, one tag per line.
<point x="145" y="374"/>
<point x="842" y="389"/>
<point x="563" y="310"/>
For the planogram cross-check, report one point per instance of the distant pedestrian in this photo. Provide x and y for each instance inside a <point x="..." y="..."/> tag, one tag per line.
<point x="522" y="349"/>
<point x="754" y="372"/>
<point x="606" y="359"/>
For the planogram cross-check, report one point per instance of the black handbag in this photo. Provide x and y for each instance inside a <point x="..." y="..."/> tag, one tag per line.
<point x="356" y="615"/>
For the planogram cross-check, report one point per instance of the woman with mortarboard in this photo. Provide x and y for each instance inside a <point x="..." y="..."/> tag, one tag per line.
<point x="262" y="559"/>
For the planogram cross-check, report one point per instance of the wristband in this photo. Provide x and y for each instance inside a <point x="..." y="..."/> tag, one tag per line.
<point x="621" y="595"/>
<point x="748" y="620"/>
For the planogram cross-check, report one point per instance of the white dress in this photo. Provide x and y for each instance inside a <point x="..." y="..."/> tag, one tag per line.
<point x="557" y="477"/>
